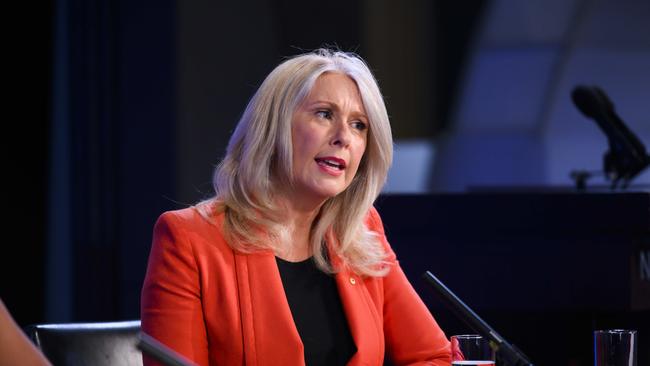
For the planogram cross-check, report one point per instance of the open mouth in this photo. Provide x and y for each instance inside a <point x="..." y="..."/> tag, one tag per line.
<point x="331" y="162"/>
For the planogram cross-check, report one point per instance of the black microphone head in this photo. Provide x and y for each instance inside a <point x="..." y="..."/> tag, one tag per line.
<point x="591" y="101"/>
<point x="626" y="156"/>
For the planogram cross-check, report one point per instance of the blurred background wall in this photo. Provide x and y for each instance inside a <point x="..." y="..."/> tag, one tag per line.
<point x="126" y="107"/>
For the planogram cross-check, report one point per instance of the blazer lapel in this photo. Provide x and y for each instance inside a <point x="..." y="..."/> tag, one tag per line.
<point x="270" y="334"/>
<point x="364" y="322"/>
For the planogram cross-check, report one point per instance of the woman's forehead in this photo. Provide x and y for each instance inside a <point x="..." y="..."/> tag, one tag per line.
<point x="335" y="87"/>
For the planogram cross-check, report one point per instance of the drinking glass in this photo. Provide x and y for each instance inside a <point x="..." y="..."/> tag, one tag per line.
<point x="615" y="347"/>
<point x="471" y="349"/>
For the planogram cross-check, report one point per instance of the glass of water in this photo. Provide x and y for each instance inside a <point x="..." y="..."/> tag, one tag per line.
<point x="471" y="349"/>
<point x="615" y="347"/>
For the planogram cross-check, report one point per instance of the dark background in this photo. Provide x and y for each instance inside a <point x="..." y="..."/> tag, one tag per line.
<point x="118" y="111"/>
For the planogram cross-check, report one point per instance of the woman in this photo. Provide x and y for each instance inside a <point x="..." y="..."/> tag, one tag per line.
<point x="288" y="264"/>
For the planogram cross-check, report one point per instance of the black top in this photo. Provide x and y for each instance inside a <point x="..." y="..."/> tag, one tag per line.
<point x="318" y="313"/>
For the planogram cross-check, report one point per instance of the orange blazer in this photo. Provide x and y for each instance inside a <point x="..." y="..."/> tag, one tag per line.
<point x="220" y="307"/>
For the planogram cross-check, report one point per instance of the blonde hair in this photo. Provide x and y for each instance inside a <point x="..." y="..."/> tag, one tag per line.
<point x="259" y="159"/>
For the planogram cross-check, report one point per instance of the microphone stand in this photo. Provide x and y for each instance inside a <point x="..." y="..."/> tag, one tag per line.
<point x="627" y="155"/>
<point x="507" y="354"/>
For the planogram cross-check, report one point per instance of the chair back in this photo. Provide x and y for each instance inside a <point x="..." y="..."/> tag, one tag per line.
<point x="99" y="344"/>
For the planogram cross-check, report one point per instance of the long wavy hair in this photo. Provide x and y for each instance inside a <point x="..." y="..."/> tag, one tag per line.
<point x="259" y="160"/>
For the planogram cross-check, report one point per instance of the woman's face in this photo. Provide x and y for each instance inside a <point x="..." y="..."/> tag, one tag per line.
<point x="329" y="132"/>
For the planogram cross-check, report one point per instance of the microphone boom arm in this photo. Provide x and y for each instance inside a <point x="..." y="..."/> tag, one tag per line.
<point x="508" y="354"/>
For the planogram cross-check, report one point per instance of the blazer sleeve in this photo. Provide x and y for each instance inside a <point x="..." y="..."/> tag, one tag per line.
<point x="171" y="308"/>
<point x="412" y="335"/>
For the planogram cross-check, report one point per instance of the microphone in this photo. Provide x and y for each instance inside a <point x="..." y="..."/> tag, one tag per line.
<point x="507" y="354"/>
<point x="626" y="156"/>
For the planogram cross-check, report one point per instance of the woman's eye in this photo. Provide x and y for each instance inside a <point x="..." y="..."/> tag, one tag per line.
<point x="359" y="125"/>
<point x="324" y="114"/>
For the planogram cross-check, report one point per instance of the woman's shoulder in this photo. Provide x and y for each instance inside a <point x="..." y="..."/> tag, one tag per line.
<point x="374" y="223"/>
<point x="373" y="220"/>
<point x="208" y="212"/>
<point x="198" y="226"/>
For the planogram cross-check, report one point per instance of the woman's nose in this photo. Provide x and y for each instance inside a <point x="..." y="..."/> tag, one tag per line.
<point x="342" y="135"/>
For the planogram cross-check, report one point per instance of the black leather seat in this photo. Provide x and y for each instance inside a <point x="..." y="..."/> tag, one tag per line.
<point x="97" y="344"/>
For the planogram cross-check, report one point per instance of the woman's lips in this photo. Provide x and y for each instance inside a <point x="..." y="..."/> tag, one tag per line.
<point x="331" y="165"/>
<point x="332" y="161"/>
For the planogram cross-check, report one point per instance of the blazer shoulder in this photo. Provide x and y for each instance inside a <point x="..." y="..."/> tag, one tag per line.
<point x="200" y="215"/>
<point x="374" y="223"/>
<point x="201" y="228"/>
<point x="373" y="220"/>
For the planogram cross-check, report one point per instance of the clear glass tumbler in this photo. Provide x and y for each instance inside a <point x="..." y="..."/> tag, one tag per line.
<point x="471" y="349"/>
<point x="615" y="347"/>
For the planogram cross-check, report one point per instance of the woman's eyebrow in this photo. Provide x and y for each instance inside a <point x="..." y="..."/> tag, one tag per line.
<point x="329" y="103"/>
<point x="335" y="107"/>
